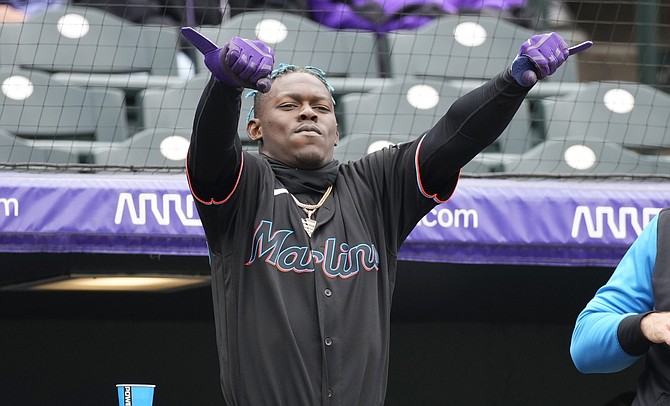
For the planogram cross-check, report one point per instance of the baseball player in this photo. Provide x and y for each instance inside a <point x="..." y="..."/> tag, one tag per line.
<point x="303" y="249"/>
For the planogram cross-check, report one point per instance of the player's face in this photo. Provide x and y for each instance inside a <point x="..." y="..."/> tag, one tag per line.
<point x="296" y="123"/>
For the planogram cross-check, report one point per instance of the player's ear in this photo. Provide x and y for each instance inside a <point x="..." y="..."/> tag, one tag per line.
<point x="337" y="137"/>
<point x="254" y="129"/>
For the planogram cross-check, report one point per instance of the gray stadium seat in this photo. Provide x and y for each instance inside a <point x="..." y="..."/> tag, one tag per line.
<point x="9" y="40"/>
<point x="633" y="115"/>
<point x="17" y="150"/>
<point x="586" y="156"/>
<point x="174" y="106"/>
<point x="463" y="47"/>
<point x="349" y="57"/>
<point x="412" y="105"/>
<point x="35" y="106"/>
<point x="356" y="146"/>
<point x="153" y="147"/>
<point x="85" y="45"/>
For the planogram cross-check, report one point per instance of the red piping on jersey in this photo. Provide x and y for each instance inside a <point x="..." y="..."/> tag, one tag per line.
<point x="418" y="178"/>
<point x="212" y="201"/>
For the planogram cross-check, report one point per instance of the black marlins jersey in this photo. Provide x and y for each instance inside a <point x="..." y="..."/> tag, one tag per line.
<point x="305" y="321"/>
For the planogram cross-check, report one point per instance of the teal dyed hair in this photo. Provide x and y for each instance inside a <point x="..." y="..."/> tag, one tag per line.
<point x="287" y="68"/>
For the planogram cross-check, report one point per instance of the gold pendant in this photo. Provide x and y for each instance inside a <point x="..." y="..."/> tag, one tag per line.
<point x="309" y="225"/>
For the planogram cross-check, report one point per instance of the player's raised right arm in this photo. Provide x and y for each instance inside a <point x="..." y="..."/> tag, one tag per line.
<point x="215" y="152"/>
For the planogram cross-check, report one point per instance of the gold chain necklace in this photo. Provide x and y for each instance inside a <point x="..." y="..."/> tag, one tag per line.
<point x="309" y="224"/>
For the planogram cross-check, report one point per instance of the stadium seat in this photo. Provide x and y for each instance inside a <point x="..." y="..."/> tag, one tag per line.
<point x="153" y="147"/>
<point x="17" y="150"/>
<point x="9" y="39"/>
<point x="356" y="146"/>
<point x="35" y="106"/>
<point x="86" y="45"/>
<point x="174" y="106"/>
<point x="586" y="156"/>
<point x="413" y="105"/>
<point x="463" y="47"/>
<point x="633" y="115"/>
<point x="349" y="57"/>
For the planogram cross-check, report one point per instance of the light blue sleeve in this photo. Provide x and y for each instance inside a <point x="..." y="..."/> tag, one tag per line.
<point x="595" y="347"/>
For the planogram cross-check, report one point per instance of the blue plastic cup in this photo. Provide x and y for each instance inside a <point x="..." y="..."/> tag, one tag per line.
<point x="135" y="394"/>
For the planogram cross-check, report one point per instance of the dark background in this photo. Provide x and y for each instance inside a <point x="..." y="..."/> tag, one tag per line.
<point x="461" y="335"/>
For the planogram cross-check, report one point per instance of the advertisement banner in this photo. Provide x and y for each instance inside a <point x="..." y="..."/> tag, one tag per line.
<point x="487" y="221"/>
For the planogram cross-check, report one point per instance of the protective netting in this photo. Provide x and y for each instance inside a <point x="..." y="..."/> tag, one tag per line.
<point x="90" y="87"/>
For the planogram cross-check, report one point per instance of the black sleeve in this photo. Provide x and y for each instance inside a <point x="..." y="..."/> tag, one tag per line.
<point x="473" y="122"/>
<point x="215" y="151"/>
<point x="630" y="335"/>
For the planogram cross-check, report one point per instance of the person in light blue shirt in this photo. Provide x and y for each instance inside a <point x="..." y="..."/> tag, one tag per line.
<point x="629" y="317"/>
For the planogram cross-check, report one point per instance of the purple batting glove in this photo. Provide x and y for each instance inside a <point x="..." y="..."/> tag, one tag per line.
<point x="546" y="51"/>
<point x="239" y="63"/>
<point x="539" y="57"/>
<point x="525" y="69"/>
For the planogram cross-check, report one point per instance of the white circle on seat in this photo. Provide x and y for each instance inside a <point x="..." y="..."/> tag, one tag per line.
<point x="73" y="26"/>
<point x="174" y="147"/>
<point x="619" y="101"/>
<point x="470" y="34"/>
<point x="377" y="145"/>
<point x="271" y="31"/>
<point x="579" y="157"/>
<point x="17" y="87"/>
<point x="423" y="97"/>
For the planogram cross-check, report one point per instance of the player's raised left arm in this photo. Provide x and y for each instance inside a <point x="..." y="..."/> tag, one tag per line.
<point x="478" y="118"/>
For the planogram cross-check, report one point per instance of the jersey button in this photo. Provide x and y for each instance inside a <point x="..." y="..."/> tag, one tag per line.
<point x="330" y="393"/>
<point x="328" y="292"/>
<point x="328" y="341"/>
